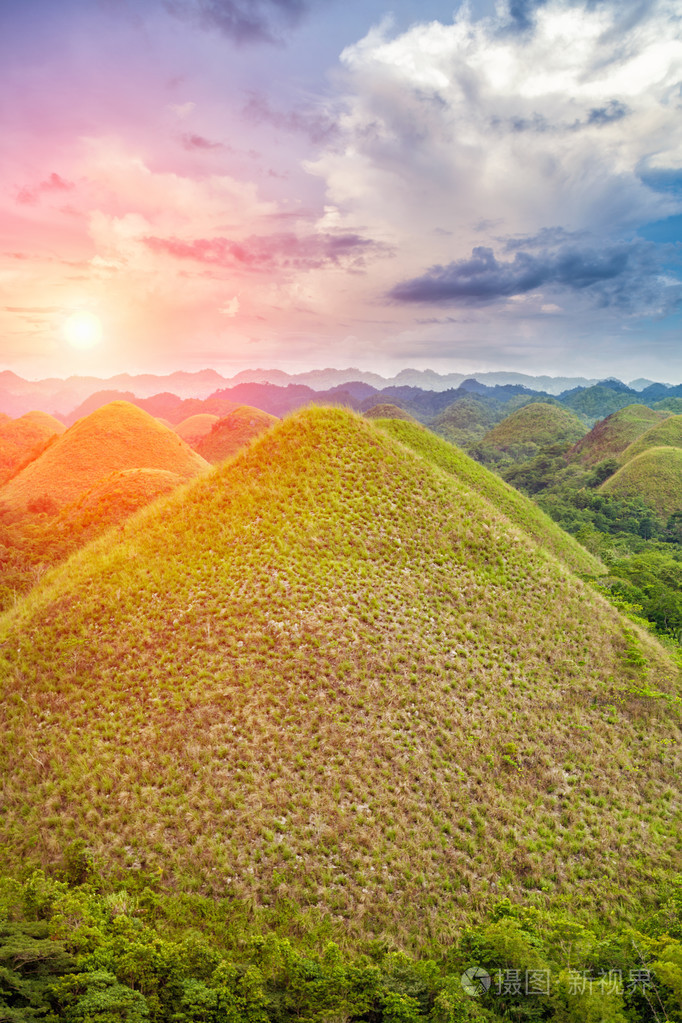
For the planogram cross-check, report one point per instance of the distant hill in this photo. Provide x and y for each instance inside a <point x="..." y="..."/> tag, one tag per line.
<point x="537" y="423"/>
<point x="667" y="433"/>
<point x="600" y="400"/>
<point x="22" y="439"/>
<point x="386" y="410"/>
<point x="611" y="436"/>
<point x="117" y="436"/>
<point x="195" y="427"/>
<point x="331" y="680"/>
<point x="467" y="419"/>
<point x="654" y="475"/>
<point x="233" y="432"/>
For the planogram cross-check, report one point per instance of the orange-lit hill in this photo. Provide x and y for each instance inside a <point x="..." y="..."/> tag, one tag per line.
<point x="22" y="439"/>
<point x="233" y="432"/>
<point x="194" y="428"/>
<point x="115" y="437"/>
<point x="114" y="498"/>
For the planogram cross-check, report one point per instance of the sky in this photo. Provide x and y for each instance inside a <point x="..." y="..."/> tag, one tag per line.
<point x="310" y="183"/>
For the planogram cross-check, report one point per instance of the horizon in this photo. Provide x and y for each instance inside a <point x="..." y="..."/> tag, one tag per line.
<point x="496" y="188"/>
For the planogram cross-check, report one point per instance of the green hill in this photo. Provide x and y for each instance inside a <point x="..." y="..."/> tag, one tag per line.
<point x="667" y="434"/>
<point x="388" y="411"/>
<point x="466" y="420"/>
<point x="655" y="475"/>
<point x="611" y="436"/>
<point x="537" y="423"/>
<point x="331" y="675"/>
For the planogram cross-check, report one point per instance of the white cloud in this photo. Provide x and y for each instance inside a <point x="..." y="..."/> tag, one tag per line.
<point x="447" y="124"/>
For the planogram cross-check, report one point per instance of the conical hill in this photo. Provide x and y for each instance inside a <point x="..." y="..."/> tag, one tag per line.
<point x="655" y="475"/>
<point x="233" y="432"/>
<point x="330" y="672"/>
<point x="195" y="427"/>
<point x="611" y="436"/>
<point x="538" y="423"/>
<point x="22" y="439"/>
<point x="667" y="434"/>
<point x="116" y="436"/>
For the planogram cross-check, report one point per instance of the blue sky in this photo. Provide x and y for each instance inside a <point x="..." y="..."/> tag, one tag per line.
<point x="305" y="183"/>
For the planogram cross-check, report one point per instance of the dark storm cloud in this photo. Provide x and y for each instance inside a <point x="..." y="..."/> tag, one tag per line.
<point x="625" y="275"/>
<point x="243" y="21"/>
<point x="317" y="127"/>
<point x="266" y="253"/>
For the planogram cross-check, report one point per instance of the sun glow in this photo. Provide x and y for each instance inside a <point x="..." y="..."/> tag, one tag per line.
<point x="83" y="330"/>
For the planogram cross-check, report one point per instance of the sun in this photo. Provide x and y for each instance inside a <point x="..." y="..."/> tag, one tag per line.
<point x="83" y="330"/>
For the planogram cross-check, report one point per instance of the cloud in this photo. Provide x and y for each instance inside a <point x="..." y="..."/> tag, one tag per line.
<point x="266" y="253"/>
<point x="199" y="142"/>
<point x="318" y="127"/>
<point x="242" y="21"/>
<point x="54" y="183"/>
<point x="626" y="275"/>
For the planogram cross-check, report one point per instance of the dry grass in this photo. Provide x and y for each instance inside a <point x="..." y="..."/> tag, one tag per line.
<point x="611" y="436"/>
<point x="333" y="672"/>
<point x="115" y="437"/>
<point x="193" y="429"/>
<point x="233" y="432"/>
<point x="22" y="439"/>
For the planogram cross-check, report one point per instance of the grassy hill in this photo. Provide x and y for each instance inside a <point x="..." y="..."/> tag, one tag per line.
<point x="466" y="420"/>
<point x="386" y="410"/>
<point x="195" y="427"/>
<point x="233" y="432"/>
<point x="518" y="509"/>
<point x="23" y="438"/>
<point x="655" y="475"/>
<point x="611" y="436"/>
<point x="332" y="675"/>
<point x="667" y="434"/>
<point x="115" y="437"/>
<point x="539" y="424"/>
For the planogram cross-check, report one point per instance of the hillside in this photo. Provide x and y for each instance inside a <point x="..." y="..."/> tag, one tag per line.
<point x="537" y="424"/>
<point x="667" y="434"/>
<point x="21" y="439"/>
<point x="112" y="500"/>
<point x="232" y="432"/>
<point x="114" y="437"/>
<point x="611" y="436"/>
<point x="332" y="673"/>
<point x="195" y="427"/>
<point x="466" y="420"/>
<point x="655" y="475"/>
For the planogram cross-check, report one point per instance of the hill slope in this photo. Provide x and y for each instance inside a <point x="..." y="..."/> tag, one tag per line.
<point x="114" y="437"/>
<point x="537" y="423"/>
<point x="654" y="475"/>
<point x="21" y="438"/>
<point x="518" y="509"/>
<point x="234" y="431"/>
<point x="332" y="673"/>
<point x="612" y="435"/>
<point x="667" y="434"/>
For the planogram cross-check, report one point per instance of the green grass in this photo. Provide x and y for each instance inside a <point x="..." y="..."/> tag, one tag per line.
<point x="523" y="513"/>
<point x="537" y="423"/>
<point x="332" y="673"/>
<point x="667" y="434"/>
<point x="611" y="436"/>
<point x="655" y="475"/>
